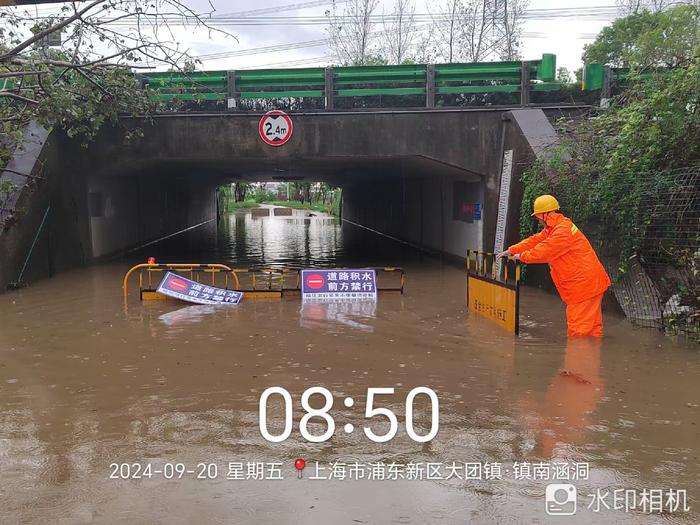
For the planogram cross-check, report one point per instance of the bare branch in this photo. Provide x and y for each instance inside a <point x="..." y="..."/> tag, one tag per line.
<point x="42" y="34"/>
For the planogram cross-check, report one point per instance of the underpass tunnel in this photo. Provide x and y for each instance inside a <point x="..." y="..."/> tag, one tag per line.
<point x="424" y="203"/>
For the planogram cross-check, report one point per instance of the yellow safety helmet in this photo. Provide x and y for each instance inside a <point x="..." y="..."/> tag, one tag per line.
<point x="545" y="203"/>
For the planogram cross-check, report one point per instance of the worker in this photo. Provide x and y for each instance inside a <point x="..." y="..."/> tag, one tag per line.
<point x="576" y="271"/>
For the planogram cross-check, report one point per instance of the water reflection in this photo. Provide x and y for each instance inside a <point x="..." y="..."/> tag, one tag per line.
<point x="189" y="314"/>
<point x="297" y="239"/>
<point x="565" y="413"/>
<point x="324" y="314"/>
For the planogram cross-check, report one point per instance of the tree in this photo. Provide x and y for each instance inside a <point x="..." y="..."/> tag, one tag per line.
<point x="477" y="24"/>
<point x="633" y="7"/>
<point x="564" y="75"/>
<point x="240" y="190"/>
<point x="74" y="69"/>
<point x="478" y="30"/>
<point x="325" y="191"/>
<point x="352" y="38"/>
<point x="645" y="40"/>
<point x="399" y="34"/>
<point x="508" y="27"/>
<point x="446" y="30"/>
<point x="302" y="191"/>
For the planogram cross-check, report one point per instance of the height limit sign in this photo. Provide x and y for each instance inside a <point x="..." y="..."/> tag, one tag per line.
<point x="275" y="128"/>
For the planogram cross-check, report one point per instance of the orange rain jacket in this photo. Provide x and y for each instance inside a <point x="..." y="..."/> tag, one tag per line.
<point x="574" y="266"/>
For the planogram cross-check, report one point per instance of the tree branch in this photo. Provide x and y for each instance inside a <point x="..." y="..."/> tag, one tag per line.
<point x="19" y="73"/>
<point x="87" y="77"/>
<point x="18" y="97"/>
<point x="41" y="34"/>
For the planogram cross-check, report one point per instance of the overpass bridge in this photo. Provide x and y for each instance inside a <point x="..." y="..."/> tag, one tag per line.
<point x="408" y="172"/>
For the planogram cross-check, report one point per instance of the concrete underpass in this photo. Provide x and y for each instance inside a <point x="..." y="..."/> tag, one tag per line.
<point x="403" y="174"/>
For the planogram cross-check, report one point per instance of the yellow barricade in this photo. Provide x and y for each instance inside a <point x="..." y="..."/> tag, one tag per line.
<point x="147" y="283"/>
<point x="496" y="297"/>
<point x="256" y="283"/>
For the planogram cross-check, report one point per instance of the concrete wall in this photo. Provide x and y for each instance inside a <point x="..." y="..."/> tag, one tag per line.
<point x="322" y="143"/>
<point x="397" y="168"/>
<point x="90" y="216"/>
<point x="418" y="210"/>
<point x="56" y="184"/>
<point x="130" y="210"/>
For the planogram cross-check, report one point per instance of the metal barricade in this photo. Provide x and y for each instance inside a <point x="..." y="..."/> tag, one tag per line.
<point x="255" y="282"/>
<point x="290" y="278"/>
<point x="493" y="295"/>
<point x="146" y="271"/>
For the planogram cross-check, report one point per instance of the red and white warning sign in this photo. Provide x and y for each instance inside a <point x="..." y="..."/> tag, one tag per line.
<point x="275" y="128"/>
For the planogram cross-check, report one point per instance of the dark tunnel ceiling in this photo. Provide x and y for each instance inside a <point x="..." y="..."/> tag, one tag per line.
<point x="336" y="170"/>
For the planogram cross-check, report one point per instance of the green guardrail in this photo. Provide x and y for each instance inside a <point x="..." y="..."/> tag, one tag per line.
<point x="600" y="76"/>
<point x="593" y="77"/>
<point x="425" y="80"/>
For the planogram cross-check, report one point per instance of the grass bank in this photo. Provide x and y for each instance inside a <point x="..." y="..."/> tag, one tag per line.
<point x="313" y="206"/>
<point x="243" y="205"/>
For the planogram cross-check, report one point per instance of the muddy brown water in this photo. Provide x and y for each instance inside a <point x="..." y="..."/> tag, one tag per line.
<point x="86" y="383"/>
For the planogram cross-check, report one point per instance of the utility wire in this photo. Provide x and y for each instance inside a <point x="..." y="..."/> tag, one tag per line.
<point x="592" y="14"/>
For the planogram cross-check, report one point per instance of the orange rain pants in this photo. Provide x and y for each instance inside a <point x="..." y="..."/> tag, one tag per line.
<point x="585" y="317"/>
<point x="575" y="269"/>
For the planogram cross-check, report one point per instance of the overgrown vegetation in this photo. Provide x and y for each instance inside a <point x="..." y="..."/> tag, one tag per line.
<point x="647" y="39"/>
<point x="652" y="128"/>
<point x="609" y="163"/>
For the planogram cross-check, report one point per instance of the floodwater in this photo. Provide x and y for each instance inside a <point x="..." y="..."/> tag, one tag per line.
<point x="93" y="396"/>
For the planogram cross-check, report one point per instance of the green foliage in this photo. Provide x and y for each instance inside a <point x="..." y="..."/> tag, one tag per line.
<point x="667" y="38"/>
<point x="320" y="197"/>
<point x="75" y="100"/>
<point x="6" y="190"/>
<point x="608" y="163"/>
<point x="261" y="196"/>
<point x="243" y="205"/>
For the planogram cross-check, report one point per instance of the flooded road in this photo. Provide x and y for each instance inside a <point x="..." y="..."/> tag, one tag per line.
<point x="86" y="383"/>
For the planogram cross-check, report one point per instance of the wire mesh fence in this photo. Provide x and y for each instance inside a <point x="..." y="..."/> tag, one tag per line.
<point x="659" y="284"/>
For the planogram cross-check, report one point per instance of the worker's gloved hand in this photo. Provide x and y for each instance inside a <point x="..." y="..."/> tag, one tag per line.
<point x="505" y="253"/>
<point x="515" y="257"/>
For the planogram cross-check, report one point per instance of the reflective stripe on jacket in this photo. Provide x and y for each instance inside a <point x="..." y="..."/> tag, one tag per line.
<point x="574" y="266"/>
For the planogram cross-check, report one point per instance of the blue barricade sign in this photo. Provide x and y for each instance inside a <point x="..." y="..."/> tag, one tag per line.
<point x="176" y="286"/>
<point x="339" y="284"/>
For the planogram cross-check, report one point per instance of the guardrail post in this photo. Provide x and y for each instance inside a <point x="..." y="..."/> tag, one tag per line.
<point x="525" y="84"/>
<point x="329" y="88"/>
<point x="607" y="87"/>
<point x="232" y="92"/>
<point x="430" y="86"/>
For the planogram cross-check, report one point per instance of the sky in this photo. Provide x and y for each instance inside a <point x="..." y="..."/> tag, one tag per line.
<point x="563" y="36"/>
